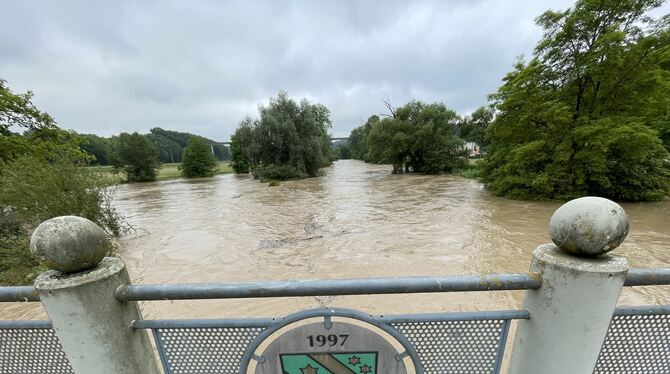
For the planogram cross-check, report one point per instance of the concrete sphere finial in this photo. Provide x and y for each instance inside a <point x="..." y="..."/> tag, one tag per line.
<point x="69" y="244"/>
<point x="589" y="226"/>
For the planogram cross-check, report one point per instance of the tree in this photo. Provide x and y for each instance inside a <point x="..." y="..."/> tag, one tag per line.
<point x="418" y="137"/>
<point x="358" y="139"/>
<point x="198" y="160"/>
<point x="135" y="155"/>
<point x="289" y="140"/>
<point x="240" y="147"/>
<point x="96" y="146"/>
<point x="583" y="116"/>
<point x="37" y="134"/>
<point x="473" y="128"/>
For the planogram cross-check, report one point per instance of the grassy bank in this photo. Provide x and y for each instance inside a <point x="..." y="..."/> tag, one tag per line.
<point x="167" y="171"/>
<point x="469" y="170"/>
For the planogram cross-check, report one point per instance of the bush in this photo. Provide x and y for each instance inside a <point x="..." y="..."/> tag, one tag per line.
<point x="197" y="160"/>
<point x="467" y="171"/>
<point x="33" y="190"/>
<point x="17" y="264"/>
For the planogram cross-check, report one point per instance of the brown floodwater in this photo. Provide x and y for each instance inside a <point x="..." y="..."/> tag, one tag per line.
<point x="359" y="221"/>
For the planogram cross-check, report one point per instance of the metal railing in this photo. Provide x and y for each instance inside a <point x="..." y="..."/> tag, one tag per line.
<point x="185" y="346"/>
<point x="359" y="286"/>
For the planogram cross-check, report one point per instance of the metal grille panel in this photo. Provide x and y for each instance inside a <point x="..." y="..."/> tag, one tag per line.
<point x="637" y="344"/>
<point x="458" y="346"/>
<point x="204" y="350"/>
<point x="31" y="351"/>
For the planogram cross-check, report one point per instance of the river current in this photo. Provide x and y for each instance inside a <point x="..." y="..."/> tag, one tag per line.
<point x="356" y="221"/>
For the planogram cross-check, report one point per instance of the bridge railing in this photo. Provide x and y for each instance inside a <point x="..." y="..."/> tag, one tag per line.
<point x="569" y="321"/>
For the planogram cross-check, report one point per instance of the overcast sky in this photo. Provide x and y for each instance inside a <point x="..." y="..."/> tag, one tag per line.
<point x="200" y="66"/>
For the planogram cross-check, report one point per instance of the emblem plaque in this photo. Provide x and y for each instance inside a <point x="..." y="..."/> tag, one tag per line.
<point x="331" y="348"/>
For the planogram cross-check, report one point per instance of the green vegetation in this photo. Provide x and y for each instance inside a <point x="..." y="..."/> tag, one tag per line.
<point x="134" y="154"/>
<point x="289" y="140"/>
<point x="472" y="128"/>
<point x="198" y="160"/>
<point x="168" y="145"/>
<point x="166" y="172"/>
<point x="40" y="178"/>
<point x="416" y="137"/>
<point x="589" y="113"/>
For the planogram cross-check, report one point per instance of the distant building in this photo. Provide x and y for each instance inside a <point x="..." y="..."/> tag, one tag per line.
<point x="474" y="150"/>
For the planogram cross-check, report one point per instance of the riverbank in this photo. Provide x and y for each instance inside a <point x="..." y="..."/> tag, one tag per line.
<point x="166" y="171"/>
<point x="358" y="220"/>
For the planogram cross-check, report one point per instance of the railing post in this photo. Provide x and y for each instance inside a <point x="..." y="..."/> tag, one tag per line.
<point x="571" y="312"/>
<point x="92" y="326"/>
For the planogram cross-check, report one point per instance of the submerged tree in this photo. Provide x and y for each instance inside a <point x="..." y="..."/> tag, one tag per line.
<point x="198" y="160"/>
<point x="135" y="155"/>
<point x="584" y="115"/>
<point x="418" y="137"/>
<point x="289" y="140"/>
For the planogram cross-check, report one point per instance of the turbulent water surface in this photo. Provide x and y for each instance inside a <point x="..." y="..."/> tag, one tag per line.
<point x="357" y="221"/>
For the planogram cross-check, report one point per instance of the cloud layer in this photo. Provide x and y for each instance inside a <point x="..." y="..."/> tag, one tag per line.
<point x="200" y="66"/>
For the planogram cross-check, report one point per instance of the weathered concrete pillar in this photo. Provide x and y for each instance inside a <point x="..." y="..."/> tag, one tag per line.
<point x="92" y="326"/>
<point x="570" y="313"/>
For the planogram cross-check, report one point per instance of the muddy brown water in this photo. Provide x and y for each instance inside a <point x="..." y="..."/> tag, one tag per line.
<point x="358" y="221"/>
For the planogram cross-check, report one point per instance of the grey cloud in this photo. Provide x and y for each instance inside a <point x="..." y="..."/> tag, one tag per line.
<point x="201" y="66"/>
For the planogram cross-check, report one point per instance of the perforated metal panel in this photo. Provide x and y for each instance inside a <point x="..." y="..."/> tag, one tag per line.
<point x="204" y="350"/>
<point x="31" y="351"/>
<point x="458" y="346"/>
<point x="638" y="344"/>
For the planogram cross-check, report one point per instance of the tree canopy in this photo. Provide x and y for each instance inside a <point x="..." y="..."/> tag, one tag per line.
<point x="25" y="130"/>
<point x="198" y="160"/>
<point x="472" y="128"/>
<point x="416" y="137"/>
<point x="289" y="140"/>
<point x="589" y="113"/>
<point x="134" y="154"/>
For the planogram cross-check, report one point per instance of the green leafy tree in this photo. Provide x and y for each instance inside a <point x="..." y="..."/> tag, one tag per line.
<point x="198" y="160"/>
<point x="241" y="146"/>
<point x="135" y="155"/>
<point x="96" y="146"/>
<point x="24" y="129"/>
<point x="289" y="140"/>
<point x="358" y="139"/>
<point x="473" y="127"/>
<point x="584" y="115"/>
<point x="418" y="137"/>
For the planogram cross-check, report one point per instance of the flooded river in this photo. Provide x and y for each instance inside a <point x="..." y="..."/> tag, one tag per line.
<point x="358" y="221"/>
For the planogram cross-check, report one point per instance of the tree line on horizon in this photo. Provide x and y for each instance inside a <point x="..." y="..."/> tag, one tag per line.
<point x="168" y="145"/>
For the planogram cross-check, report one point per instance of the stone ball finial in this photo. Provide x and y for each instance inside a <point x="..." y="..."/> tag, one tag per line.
<point x="69" y="244"/>
<point x="589" y="226"/>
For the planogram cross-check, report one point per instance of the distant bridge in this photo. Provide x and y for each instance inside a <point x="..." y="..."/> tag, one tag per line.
<point x="331" y="139"/>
